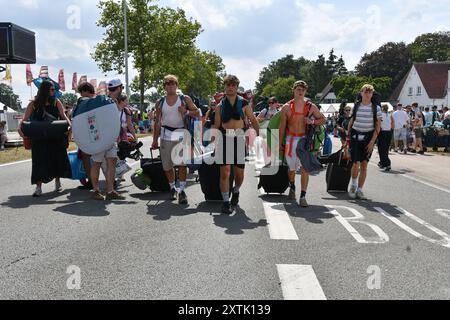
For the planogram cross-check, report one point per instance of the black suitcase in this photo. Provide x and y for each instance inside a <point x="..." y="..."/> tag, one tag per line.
<point x="154" y="170"/>
<point x="209" y="176"/>
<point x="338" y="176"/>
<point x="277" y="183"/>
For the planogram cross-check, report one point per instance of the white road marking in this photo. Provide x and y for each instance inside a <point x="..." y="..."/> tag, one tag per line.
<point x="420" y="181"/>
<point x="358" y="218"/>
<point x="279" y="222"/>
<point x="13" y="163"/>
<point x="299" y="282"/>
<point x="445" y="242"/>
<point x="443" y="213"/>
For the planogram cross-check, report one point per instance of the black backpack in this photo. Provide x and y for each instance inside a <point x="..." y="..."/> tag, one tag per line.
<point x="376" y="101"/>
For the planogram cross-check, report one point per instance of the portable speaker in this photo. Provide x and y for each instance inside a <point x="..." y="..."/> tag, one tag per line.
<point x="17" y="45"/>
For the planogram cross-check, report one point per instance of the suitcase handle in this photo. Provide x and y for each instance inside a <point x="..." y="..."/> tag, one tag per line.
<point x="151" y="152"/>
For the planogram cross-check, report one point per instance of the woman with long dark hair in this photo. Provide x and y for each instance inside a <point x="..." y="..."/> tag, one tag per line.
<point x="49" y="157"/>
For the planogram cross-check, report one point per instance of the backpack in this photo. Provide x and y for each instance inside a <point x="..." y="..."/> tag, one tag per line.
<point x="188" y="121"/>
<point x="317" y="131"/>
<point x="376" y="101"/>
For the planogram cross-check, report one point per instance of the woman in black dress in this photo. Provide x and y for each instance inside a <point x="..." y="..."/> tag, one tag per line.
<point x="49" y="157"/>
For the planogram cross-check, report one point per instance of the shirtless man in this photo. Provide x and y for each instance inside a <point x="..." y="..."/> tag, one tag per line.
<point x="295" y="116"/>
<point x="231" y="114"/>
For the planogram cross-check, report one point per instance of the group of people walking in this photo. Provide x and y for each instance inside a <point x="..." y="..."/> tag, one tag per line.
<point x="231" y="117"/>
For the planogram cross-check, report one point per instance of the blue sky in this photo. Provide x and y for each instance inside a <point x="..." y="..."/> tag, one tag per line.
<point x="248" y="34"/>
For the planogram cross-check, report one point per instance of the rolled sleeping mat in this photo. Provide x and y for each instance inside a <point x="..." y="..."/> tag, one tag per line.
<point x="96" y="124"/>
<point x="45" y="130"/>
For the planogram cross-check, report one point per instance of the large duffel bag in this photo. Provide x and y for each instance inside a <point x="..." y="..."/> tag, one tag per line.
<point x="274" y="183"/>
<point x="45" y="130"/>
<point x="209" y="176"/>
<point x="154" y="170"/>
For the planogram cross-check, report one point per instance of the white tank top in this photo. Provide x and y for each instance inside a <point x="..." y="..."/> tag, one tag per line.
<point x="171" y="117"/>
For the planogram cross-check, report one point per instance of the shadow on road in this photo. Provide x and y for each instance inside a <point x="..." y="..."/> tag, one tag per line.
<point x="237" y="223"/>
<point x="22" y="202"/>
<point x="312" y="214"/>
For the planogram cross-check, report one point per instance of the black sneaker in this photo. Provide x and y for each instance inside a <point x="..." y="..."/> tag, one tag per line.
<point x="173" y="194"/>
<point x="235" y="199"/>
<point x="182" y="198"/>
<point x="226" y="208"/>
<point x="380" y="165"/>
<point x="387" y="169"/>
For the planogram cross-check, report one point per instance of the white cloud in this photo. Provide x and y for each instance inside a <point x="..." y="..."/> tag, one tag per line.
<point x="246" y="69"/>
<point x="55" y="45"/>
<point x="30" y="4"/>
<point x="219" y="14"/>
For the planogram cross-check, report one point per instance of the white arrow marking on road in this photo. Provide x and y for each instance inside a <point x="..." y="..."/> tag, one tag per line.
<point x="299" y="282"/>
<point x="358" y="218"/>
<point x="443" y="213"/>
<point x="279" y="223"/>
<point x="445" y="242"/>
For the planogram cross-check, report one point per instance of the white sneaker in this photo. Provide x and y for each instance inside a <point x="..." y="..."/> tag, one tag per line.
<point x="37" y="192"/>
<point x="352" y="192"/>
<point x="360" y="195"/>
<point x="58" y="187"/>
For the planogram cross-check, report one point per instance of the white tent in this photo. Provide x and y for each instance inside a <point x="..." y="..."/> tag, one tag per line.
<point x="9" y="115"/>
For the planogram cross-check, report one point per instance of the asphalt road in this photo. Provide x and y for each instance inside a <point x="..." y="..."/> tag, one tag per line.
<point x="394" y="246"/>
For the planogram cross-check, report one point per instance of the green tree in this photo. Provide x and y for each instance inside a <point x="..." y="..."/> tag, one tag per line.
<point x="341" y="69"/>
<point x="281" y="89"/>
<point x="158" y="38"/>
<point x="332" y="63"/>
<point x="317" y="74"/>
<point x="391" y="60"/>
<point x="8" y="97"/>
<point x="281" y="68"/>
<point x="434" y="46"/>
<point x="348" y="87"/>
<point x="69" y="99"/>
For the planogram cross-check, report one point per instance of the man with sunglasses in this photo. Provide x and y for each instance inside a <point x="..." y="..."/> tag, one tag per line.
<point x="170" y="115"/>
<point x="342" y="124"/>
<point x="267" y="113"/>
<point x="364" y="128"/>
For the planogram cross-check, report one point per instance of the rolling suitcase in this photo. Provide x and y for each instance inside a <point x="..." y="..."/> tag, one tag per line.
<point x="338" y="175"/>
<point x="209" y="176"/>
<point x="276" y="183"/>
<point x="154" y="170"/>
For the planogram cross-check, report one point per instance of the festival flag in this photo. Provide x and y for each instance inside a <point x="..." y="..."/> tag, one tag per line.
<point x="94" y="83"/>
<point x="44" y="72"/>
<point x="101" y="90"/>
<point x="29" y="75"/>
<point x="61" y="81"/>
<point x="8" y="76"/>
<point x="83" y="79"/>
<point x="74" y="81"/>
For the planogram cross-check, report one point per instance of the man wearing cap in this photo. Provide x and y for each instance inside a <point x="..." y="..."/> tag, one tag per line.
<point x="170" y="124"/>
<point x="296" y="115"/>
<point x="115" y="89"/>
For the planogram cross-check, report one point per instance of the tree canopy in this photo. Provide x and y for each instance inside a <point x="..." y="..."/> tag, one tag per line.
<point x="8" y="97"/>
<point x="434" y="46"/>
<point x="159" y="39"/>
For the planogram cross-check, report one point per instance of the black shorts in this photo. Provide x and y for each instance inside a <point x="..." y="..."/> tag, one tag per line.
<point x="358" y="146"/>
<point x="232" y="151"/>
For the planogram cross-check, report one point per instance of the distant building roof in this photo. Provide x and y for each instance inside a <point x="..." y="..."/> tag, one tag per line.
<point x="434" y="77"/>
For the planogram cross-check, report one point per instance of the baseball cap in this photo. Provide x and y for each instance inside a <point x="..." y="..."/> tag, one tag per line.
<point x="114" y="84"/>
